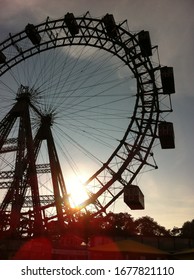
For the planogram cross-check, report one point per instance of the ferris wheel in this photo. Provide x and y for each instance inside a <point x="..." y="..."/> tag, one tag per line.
<point x="83" y="98"/>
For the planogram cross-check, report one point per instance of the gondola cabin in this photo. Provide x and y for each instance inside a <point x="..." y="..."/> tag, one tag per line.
<point x="71" y="24"/>
<point x="33" y="34"/>
<point x="167" y="79"/>
<point x="145" y="43"/>
<point x="110" y="25"/>
<point x="133" y="197"/>
<point x="166" y="135"/>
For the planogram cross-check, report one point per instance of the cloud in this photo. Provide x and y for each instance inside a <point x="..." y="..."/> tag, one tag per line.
<point x="170" y="24"/>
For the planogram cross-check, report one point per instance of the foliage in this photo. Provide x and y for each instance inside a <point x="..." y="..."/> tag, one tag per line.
<point x="176" y="231"/>
<point x="188" y="229"/>
<point x="123" y="224"/>
<point x="148" y="227"/>
<point x="117" y="224"/>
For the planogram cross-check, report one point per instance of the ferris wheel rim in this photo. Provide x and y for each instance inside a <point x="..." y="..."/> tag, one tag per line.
<point x="146" y="121"/>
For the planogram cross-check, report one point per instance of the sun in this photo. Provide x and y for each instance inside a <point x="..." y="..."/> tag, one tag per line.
<point x="76" y="190"/>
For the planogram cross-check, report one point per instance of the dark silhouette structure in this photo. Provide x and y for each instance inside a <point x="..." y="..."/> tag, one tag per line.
<point x="25" y="210"/>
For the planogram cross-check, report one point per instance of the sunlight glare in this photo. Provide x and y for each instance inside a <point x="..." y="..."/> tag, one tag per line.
<point x="76" y="190"/>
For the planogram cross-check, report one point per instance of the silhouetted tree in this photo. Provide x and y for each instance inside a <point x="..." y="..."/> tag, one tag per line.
<point x="176" y="231"/>
<point x="119" y="223"/>
<point x="188" y="229"/>
<point x="148" y="227"/>
<point x="86" y="224"/>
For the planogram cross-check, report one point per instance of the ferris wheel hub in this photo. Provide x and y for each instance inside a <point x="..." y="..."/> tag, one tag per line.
<point x="25" y="93"/>
<point x="47" y="120"/>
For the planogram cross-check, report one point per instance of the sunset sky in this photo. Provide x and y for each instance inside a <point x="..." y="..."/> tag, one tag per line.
<point x="169" y="190"/>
